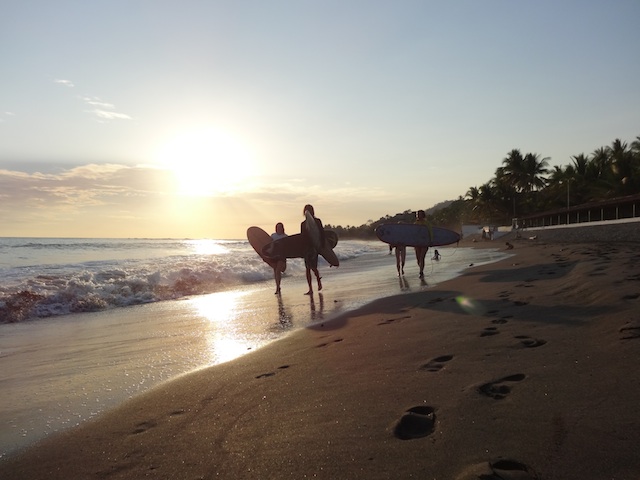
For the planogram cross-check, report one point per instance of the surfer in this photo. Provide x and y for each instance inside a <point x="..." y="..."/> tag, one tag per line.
<point x="311" y="254"/>
<point x="421" y="252"/>
<point x="281" y="263"/>
<point x="436" y="255"/>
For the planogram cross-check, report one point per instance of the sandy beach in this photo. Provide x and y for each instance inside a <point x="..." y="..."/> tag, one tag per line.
<point x="521" y="369"/>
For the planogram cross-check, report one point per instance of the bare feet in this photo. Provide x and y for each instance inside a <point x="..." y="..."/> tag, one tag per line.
<point x="310" y="292"/>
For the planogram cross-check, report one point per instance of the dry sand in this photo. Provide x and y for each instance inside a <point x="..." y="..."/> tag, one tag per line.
<point x="526" y="368"/>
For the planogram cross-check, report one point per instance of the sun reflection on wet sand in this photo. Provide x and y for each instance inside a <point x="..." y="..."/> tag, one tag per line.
<point x="226" y="339"/>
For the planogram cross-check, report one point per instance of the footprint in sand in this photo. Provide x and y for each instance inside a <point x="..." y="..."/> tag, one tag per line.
<point x="500" y="388"/>
<point x="489" y="331"/>
<point x="498" y="470"/>
<point x="503" y="319"/>
<point x="271" y="374"/>
<point x="337" y="340"/>
<point x="630" y="331"/>
<point x="436" y="364"/>
<point x="633" y="296"/>
<point x="391" y="320"/>
<point x="529" y="342"/>
<point x="144" y="426"/>
<point x="417" y="422"/>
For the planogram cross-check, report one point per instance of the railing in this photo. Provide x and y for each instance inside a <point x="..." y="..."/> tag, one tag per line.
<point x="622" y="208"/>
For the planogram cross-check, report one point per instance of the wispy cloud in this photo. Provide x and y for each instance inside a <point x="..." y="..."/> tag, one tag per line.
<point x="66" y="83"/>
<point x="104" y="110"/>
<point x="96" y="102"/>
<point x="110" y="115"/>
<point x="100" y="109"/>
<point x="6" y="114"/>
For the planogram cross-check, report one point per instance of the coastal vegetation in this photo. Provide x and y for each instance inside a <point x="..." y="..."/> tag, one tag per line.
<point x="525" y="184"/>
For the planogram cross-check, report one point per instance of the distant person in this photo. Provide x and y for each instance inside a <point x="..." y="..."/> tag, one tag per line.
<point x="509" y="246"/>
<point x="281" y="262"/>
<point x="421" y="252"/>
<point x="436" y="255"/>
<point x="311" y="254"/>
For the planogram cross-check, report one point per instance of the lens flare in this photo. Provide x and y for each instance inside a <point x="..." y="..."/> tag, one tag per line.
<point x="470" y="306"/>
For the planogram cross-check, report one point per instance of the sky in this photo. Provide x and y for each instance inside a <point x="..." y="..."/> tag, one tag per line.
<point x="200" y="118"/>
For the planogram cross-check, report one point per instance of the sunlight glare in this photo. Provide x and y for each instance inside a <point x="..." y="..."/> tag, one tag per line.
<point x="220" y="309"/>
<point x="206" y="162"/>
<point x="207" y="247"/>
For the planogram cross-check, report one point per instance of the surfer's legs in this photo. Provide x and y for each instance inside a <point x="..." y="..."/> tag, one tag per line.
<point x="310" y="291"/>
<point x="401" y="255"/>
<point x="311" y="263"/>
<point x="277" y="273"/>
<point x="421" y="253"/>
<point x="318" y="279"/>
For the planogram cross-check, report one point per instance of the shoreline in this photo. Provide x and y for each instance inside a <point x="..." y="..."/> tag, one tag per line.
<point x="57" y="375"/>
<point x="506" y="368"/>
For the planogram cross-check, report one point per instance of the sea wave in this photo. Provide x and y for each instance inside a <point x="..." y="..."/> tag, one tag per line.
<point x="40" y="291"/>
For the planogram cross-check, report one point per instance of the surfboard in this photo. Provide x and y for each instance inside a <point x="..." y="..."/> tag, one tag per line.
<point x="412" y="235"/>
<point x="314" y="233"/>
<point x="313" y="230"/>
<point x="327" y="249"/>
<point x="293" y="247"/>
<point x="258" y="239"/>
<point x="287" y="247"/>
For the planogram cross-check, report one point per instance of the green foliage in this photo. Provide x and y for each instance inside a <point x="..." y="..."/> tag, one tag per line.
<point x="525" y="185"/>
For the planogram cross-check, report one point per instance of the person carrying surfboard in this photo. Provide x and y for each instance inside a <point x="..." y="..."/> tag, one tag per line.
<point x="421" y="252"/>
<point x="281" y="263"/>
<point x="312" y="232"/>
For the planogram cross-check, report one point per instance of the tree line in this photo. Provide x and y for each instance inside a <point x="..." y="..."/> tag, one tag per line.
<point x="525" y="184"/>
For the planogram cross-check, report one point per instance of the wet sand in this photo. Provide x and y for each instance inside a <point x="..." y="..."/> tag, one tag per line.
<point x="525" y="368"/>
<point x="58" y="372"/>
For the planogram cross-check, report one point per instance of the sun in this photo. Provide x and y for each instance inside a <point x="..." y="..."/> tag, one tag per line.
<point x="206" y="162"/>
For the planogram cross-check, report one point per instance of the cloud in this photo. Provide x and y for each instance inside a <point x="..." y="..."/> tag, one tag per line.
<point x="96" y="102"/>
<point x="110" y="115"/>
<point x="103" y="110"/>
<point x="78" y="187"/>
<point x="6" y="114"/>
<point x="66" y="83"/>
<point x="97" y="199"/>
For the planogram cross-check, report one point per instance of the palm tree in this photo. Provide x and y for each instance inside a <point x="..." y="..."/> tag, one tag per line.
<point x="522" y="175"/>
<point x="578" y="177"/>
<point x="635" y="147"/>
<point x="623" y="169"/>
<point x="596" y="175"/>
<point x="534" y="173"/>
<point x="513" y="170"/>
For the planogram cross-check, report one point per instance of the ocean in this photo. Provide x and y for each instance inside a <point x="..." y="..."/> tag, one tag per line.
<point x="87" y="323"/>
